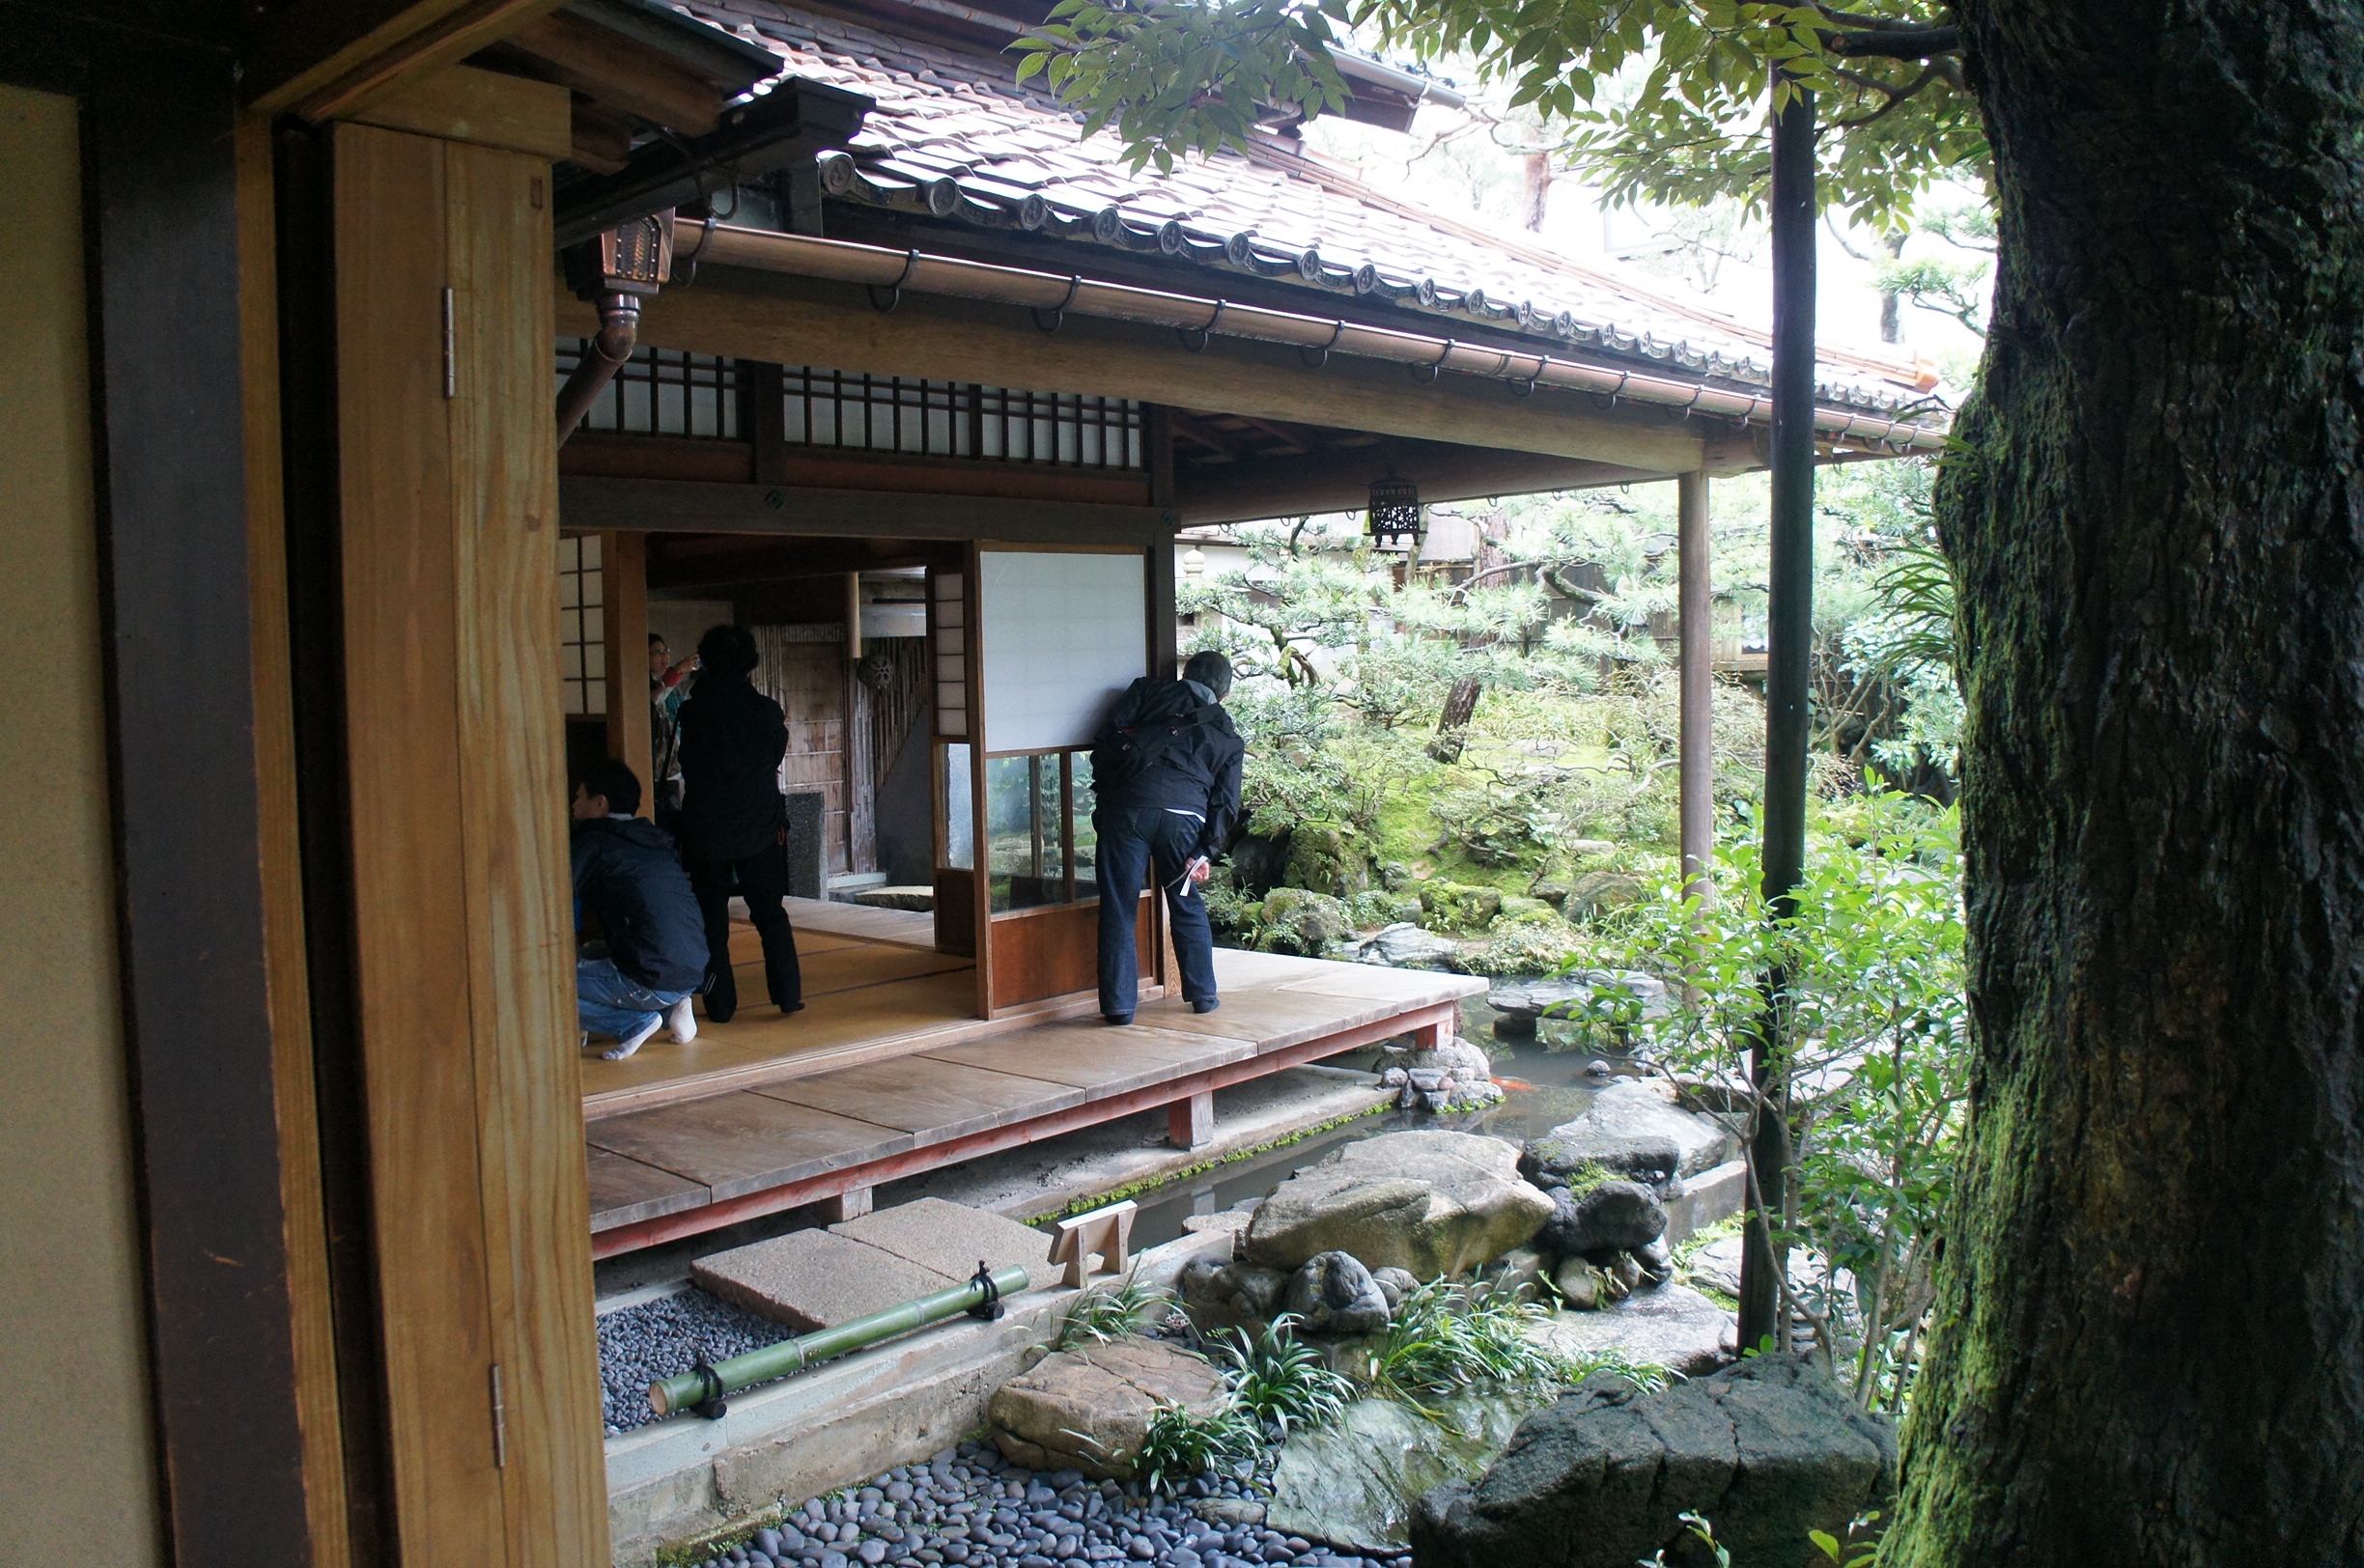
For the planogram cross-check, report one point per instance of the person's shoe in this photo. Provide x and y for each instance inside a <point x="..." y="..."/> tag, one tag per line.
<point x="684" y="1021"/>
<point x="1207" y="1006"/>
<point x="1116" y="1017"/>
<point x="584" y="1042"/>
<point x="792" y="1007"/>
<point x="635" y="1040"/>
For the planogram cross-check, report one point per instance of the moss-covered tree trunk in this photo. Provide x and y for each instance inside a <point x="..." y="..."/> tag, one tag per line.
<point x="2152" y="1339"/>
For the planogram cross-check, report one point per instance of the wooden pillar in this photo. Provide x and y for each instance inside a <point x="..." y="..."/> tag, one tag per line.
<point x="623" y="590"/>
<point x="1189" y="1122"/>
<point x="462" y="947"/>
<point x="1695" y="727"/>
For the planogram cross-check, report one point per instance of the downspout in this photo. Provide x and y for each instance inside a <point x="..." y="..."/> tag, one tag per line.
<point x="619" y="329"/>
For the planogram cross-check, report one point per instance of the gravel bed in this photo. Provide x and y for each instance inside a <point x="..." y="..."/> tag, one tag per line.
<point x="969" y="1507"/>
<point x="656" y="1339"/>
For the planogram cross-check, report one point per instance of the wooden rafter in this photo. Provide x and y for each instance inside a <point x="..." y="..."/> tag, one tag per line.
<point x="324" y="59"/>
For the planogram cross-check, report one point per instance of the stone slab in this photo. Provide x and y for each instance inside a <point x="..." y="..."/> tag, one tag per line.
<point x="1669" y="1326"/>
<point x="812" y="1279"/>
<point x="952" y="1238"/>
<point x="1088" y="1408"/>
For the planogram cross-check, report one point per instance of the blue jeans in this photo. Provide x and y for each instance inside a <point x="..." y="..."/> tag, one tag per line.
<point x="1133" y="840"/>
<point x="610" y="1001"/>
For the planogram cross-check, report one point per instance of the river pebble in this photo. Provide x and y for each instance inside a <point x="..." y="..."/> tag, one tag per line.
<point x="969" y="1507"/>
<point x="656" y="1339"/>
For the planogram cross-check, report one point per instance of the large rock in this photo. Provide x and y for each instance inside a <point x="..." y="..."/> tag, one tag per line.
<point x="1356" y="1482"/>
<point x="1672" y="1326"/>
<point x="1564" y="995"/>
<point x="1088" y="1409"/>
<point x="1226" y="1293"/>
<point x="1767" y="1449"/>
<point x="1628" y="1130"/>
<point x="1612" y="1216"/>
<point x="1335" y="1295"/>
<point x="1433" y="1203"/>
<point x="1406" y="946"/>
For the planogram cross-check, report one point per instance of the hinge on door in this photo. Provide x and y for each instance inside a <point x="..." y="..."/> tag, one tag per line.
<point x="500" y="1422"/>
<point x="451" y="356"/>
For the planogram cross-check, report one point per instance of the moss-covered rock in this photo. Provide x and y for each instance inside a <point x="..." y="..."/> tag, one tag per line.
<point x="1328" y="857"/>
<point x="1526" y="947"/>
<point x="1450" y="906"/>
<point x="1300" y="921"/>
<point x="1369" y="911"/>
<point x="1597" y="890"/>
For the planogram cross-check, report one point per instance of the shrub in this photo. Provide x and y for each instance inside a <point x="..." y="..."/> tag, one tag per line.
<point x="1281" y="1380"/>
<point x="1178" y="1445"/>
<point x="1528" y="947"/>
<point x="1107" y="1312"/>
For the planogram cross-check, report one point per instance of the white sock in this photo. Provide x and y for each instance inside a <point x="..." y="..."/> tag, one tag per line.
<point x="633" y="1042"/>
<point x="684" y="1021"/>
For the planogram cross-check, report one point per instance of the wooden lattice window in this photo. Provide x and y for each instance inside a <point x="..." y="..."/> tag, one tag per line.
<point x="582" y="629"/>
<point x="959" y="419"/>
<point x="662" y="392"/>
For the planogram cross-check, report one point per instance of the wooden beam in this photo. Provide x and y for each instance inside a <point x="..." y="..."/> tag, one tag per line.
<point x="680" y="505"/>
<point x="622" y="74"/>
<point x="624" y="602"/>
<point x="324" y="59"/>
<point x="460" y="103"/>
<point x="804" y="321"/>
<point x="1296" y="438"/>
<point x="1340" y="481"/>
<point x="1191" y="428"/>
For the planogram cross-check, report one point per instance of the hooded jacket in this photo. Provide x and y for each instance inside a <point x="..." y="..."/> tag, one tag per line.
<point x="626" y="874"/>
<point x="1163" y="746"/>
<point x="732" y="739"/>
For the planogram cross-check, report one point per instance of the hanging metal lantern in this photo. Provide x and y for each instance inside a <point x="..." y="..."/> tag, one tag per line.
<point x="1394" y="515"/>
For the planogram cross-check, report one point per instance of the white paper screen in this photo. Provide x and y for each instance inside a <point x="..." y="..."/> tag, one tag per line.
<point x="1061" y="635"/>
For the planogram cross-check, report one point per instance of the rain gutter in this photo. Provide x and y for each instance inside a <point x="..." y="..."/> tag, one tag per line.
<point x="888" y="273"/>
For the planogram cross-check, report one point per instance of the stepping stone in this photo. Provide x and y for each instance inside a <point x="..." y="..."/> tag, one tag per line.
<point x="1088" y="1409"/>
<point x="812" y="1279"/>
<point x="951" y="1237"/>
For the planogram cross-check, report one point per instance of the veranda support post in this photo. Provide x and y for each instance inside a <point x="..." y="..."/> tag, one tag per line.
<point x="1694" y="730"/>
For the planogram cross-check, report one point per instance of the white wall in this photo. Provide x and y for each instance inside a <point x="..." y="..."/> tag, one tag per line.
<point x="1061" y="635"/>
<point x="77" y="1479"/>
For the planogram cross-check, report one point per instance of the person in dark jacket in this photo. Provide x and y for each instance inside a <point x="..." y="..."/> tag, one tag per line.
<point x="628" y="878"/>
<point x="734" y="823"/>
<point x="1165" y="777"/>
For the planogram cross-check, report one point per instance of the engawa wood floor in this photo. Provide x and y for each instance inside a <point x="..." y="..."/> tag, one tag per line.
<point x="765" y="1139"/>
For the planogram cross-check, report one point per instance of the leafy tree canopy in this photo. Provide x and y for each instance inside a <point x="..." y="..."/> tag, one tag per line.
<point x="1661" y="100"/>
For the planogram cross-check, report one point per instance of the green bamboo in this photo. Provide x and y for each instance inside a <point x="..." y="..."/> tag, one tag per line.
<point x="705" y="1384"/>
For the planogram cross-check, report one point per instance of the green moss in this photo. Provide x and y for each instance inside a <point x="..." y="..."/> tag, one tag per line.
<point x="1588" y="1177"/>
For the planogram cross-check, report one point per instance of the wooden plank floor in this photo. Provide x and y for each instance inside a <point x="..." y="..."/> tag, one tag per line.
<point x="761" y="1144"/>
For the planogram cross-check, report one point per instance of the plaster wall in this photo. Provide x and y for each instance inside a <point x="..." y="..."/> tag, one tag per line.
<point x="77" y="1478"/>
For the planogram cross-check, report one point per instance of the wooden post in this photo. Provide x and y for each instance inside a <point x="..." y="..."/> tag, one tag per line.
<point x="1189" y="1122"/>
<point x="1694" y="630"/>
<point x="851" y="1204"/>
<point x="623" y="590"/>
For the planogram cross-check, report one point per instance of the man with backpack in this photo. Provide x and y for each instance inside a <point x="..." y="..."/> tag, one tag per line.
<point x="1166" y="775"/>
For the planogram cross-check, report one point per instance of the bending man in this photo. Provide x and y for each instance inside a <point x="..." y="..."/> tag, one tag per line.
<point x="626" y="875"/>
<point x="1165" y="772"/>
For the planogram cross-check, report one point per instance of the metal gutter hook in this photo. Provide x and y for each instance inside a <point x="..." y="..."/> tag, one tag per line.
<point x="1059" y="312"/>
<point x="1318" y="357"/>
<point x="895" y="289"/>
<point x="1184" y="332"/>
<point x="1435" y="367"/>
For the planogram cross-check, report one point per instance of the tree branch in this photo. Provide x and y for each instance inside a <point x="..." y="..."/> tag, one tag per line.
<point x="1917" y="45"/>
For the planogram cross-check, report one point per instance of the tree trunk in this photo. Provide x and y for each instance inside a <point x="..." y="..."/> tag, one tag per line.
<point x="1452" y="725"/>
<point x="2150" y="1341"/>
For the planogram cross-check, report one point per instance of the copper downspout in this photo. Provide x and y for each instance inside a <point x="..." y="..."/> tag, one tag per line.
<point x="619" y="327"/>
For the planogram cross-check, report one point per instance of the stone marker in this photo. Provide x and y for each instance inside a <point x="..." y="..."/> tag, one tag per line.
<point x="817" y="1279"/>
<point x="1088" y="1409"/>
<point x="1767" y="1448"/>
<point x="1433" y="1203"/>
<point x="952" y="1238"/>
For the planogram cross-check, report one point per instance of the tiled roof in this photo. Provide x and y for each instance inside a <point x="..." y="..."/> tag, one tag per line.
<point x="956" y="135"/>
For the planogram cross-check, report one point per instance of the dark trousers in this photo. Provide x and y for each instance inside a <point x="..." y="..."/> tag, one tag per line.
<point x="1137" y="842"/>
<point x="761" y="880"/>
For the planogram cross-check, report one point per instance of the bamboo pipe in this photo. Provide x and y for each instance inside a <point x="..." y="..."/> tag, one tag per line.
<point x="703" y="1388"/>
<point x="877" y="267"/>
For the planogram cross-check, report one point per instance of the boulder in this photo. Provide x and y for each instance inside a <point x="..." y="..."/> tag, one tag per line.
<point x="1087" y="1410"/>
<point x="1522" y="1271"/>
<point x="1674" y="1326"/>
<point x="1615" y="1215"/>
<point x="1605" y="890"/>
<point x="1355" y="1482"/>
<point x="1716" y="1265"/>
<point x="1394" y="1284"/>
<point x="1579" y="1284"/>
<point x="1564" y="996"/>
<point x="1767" y="1448"/>
<point x="1656" y="1261"/>
<point x="1406" y="946"/>
<point x="1225" y="1293"/>
<point x="1333" y="1293"/>
<point x="1627" y="1129"/>
<point x="1432" y="1203"/>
